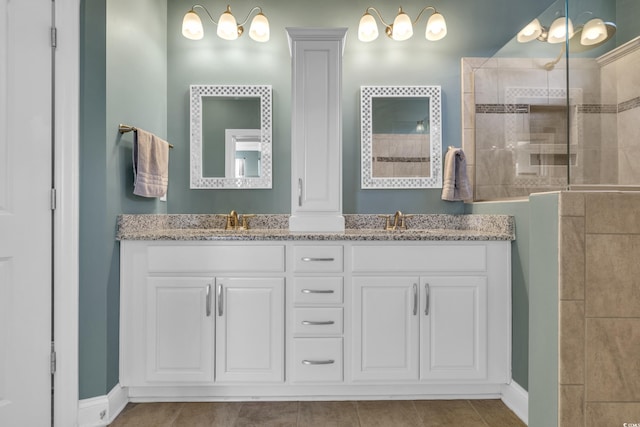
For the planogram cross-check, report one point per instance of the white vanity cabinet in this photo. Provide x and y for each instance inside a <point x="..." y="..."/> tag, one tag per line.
<point x="198" y="313"/>
<point x="316" y="129"/>
<point x="434" y="313"/>
<point x="314" y="318"/>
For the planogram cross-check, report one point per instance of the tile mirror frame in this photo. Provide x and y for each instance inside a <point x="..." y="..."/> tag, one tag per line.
<point x="197" y="179"/>
<point x="367" y="94"/>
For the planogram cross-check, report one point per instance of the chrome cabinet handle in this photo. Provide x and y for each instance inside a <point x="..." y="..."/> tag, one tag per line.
<point x="318" y="362"/>
<point x="415" y="299"/>
<point x="317" y="291"/>
<point x="208" y="304"/>
<point x="427" y="291"/>
<point x="299" y="191"/>
<point x="311" y="259"/>
<point x="220" y="304"/>
<point x="318" y="322"/>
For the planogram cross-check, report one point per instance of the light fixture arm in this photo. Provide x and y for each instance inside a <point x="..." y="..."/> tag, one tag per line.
<point x="422" y="11"/>
<point x="379" y="16"/>
<point x="206" y="10"/>
<point x="258" y="8"/>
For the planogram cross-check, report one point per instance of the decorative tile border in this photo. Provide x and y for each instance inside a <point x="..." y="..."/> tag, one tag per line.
<point x="582" y="108"/>
<point x="629" y="105"/>
<point x="403" y="159"/>
<point x="502" y="108"/>
<point x="598" y="108"/>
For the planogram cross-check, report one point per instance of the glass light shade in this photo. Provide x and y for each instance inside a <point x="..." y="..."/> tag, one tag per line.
<point x="558" y="30"/>
<point x="259" y="30"/>
<point x="436" y="27"/>
<point x="368" y="29"/>
<point x="531" y="32"/>
<point x="192" y="26"/>
<point x="227" y="26"/>
<point x="593" y="32"/>
<point x="402" y="27"/>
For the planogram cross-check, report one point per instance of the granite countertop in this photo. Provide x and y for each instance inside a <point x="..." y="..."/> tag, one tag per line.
<point x="364" y="227"/>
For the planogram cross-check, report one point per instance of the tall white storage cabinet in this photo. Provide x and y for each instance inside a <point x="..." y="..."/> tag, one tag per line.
<point x="316" y="129"/>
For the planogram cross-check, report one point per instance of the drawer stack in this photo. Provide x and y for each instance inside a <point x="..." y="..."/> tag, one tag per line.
<point x="318" y="313"/>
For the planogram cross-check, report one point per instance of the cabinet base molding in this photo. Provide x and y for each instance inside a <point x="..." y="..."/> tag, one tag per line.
<point x="102" y="410"/>
<point x="297" y="392"/>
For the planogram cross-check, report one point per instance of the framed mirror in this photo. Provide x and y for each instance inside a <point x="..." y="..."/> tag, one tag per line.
<point x="401" y="136"/>
<point x="230" y="136"/>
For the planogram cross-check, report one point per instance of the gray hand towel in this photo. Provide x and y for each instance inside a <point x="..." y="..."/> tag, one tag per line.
<point x="456" y="184"/>
<point x="150" y="165"/>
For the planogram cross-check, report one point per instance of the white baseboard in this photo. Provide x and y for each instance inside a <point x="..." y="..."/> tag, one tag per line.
<point x="517" y="399"/>
<point x="102" y="410"/>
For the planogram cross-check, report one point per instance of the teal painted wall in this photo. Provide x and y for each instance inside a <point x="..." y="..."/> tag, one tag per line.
<point x="520" y="281"/>
<point x="94" y="257"/>
<point x="123" y="81"/>
<point x="138" y="72"/>
<point x="543" y="305"/>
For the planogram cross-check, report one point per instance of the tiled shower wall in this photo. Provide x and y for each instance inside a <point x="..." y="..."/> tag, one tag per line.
<point x="500" y="96"/>
<point x="599" y="309"/>
<point x="621" y="88"/>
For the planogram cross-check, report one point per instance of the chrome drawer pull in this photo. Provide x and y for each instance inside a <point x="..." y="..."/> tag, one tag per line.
<point x="309" y="259"/>
<point x="318" y="323"/>
<point x="415" y="299"/>
<point x="427" y="290"/>
<point x="220" y="304"/>
<point x="318" y="362"/>
<point x="208" y="299"/>
<point x="317" y="291"/>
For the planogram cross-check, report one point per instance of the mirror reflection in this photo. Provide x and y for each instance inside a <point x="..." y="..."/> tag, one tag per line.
<point x="230" y="136"/>
<point x="401" y="142"/>
<point x="400" y="137"/>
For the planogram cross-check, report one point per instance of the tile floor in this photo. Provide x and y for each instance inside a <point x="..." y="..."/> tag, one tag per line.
<point x="389" y="413"/>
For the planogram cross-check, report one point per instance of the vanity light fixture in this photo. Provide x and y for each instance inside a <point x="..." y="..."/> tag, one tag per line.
<point x="402" y="27"/>
<point x="228" y="27"/>
<point x="592" y="34"/>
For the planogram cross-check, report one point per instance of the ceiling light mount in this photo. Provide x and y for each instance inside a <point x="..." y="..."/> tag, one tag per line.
<point x="228" y="27"/>
<point x="402" y="27"/>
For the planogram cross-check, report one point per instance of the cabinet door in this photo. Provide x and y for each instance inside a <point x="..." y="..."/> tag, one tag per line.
<point x="453" y="341"/>
<point x="385" y="328"/>
<point x="249" y="330"/>
<point x="179" y="329"/>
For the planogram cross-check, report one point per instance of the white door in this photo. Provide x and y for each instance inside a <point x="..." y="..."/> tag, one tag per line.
<point x="25" y="212"/>
<point x="453" y="330"/>
<point x="385" y="325"/>
<point x="250" y="330"/>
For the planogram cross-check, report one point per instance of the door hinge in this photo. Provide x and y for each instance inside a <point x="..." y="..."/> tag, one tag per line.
<point x="54" y="37"/>
<point x="52" y="360"/>
<point x="54" y="199"/>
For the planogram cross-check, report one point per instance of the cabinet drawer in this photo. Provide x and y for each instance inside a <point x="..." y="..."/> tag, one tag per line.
<point x="425" y="258"/>
<point x="317" y="360"/>
<point x="317" y="321"/>
<point x="317" y="290"/>
<point x="317" y="259"/>
<point x="227" y="258"/>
